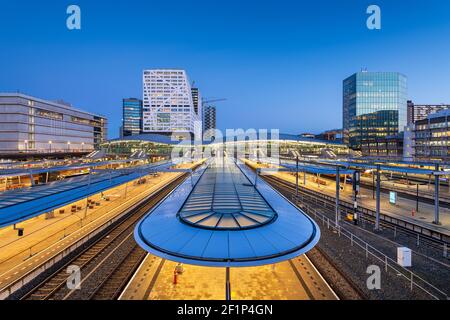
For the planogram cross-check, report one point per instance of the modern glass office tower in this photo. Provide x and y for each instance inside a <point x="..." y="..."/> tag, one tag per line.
<point x="168" y="106"/>
<point x="132" y="117"/>
<point x="374" y="106"/>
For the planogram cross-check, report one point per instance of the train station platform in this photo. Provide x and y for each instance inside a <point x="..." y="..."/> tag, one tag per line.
<point x="400" y="177"/>
<point x="45" y="237"/>
<point x="404" y="208"/>
<point x="296" y="279"/>
<point x="223" y="219"/>
<point x="26" y="203"/>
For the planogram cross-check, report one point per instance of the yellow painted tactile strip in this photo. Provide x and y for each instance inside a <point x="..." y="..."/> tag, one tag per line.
<point x="140" y="283"/>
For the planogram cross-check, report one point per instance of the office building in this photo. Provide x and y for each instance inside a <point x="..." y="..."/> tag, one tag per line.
<point x="36" y="126"/>
<point x="132" y="117"/>
<point x="432" y="137"/>
<point x="168" y="106"/>
<point x="374" y="107"/>
<point x="418" y="112"/>
<point x="389" y="147"/>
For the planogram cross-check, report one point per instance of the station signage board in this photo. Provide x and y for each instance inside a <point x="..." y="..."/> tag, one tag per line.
<point x="393" y="197"/>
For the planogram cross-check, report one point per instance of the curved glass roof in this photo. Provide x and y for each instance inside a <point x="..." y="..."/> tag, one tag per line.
<point x="225" y="200"/>
<point x="220" y="219"/>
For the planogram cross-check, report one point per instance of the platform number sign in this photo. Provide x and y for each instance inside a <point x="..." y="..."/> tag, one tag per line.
<point x="393" y="197"/>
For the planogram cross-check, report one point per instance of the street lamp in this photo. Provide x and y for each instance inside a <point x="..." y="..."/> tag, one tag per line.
<point x="50" y="144"/>
<point x="82" y="147"/>
<point x="68" y="145"/>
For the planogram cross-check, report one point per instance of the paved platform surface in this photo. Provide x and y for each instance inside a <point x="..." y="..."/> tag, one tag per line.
<point x="403" y="209"/>
<point x="295" y="279"/>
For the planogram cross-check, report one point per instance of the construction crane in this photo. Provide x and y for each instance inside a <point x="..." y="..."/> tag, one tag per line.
<point x="206" y="101"/>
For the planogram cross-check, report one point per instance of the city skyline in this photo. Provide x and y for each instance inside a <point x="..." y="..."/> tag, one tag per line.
<point x="294" y="64"/>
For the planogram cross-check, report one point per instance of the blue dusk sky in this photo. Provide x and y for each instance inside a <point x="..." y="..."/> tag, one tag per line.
<point x="279" y="63"/>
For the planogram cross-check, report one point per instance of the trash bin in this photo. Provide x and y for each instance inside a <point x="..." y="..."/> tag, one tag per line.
<point x="404" y="257"/>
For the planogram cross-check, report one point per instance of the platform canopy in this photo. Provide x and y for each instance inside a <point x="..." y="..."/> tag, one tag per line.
<point x="223" y="220"/>
<point x="316" y="169"/>
<point x="386" y="168"/>
<point x="11" y="173"/>
<point x="23" y="204"/>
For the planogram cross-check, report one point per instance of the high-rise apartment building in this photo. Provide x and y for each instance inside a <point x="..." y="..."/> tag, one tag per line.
<point x="36" y="126"/>
<point x="209" y="118"/>
<point x="168" y="106"/>
<point x="197" y="101"/>
<point x="374" y="106"/>
<point x="417" y="112"/>
<point x="132" y="117"/>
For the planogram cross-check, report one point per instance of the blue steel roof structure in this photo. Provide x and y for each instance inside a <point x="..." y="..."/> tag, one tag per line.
<point x="162" y="139"/>
<point x="148" y="137"/>
<point x="6" y="173"/>
<point x="225" y="200"/>
<point x="272" y="229"/>
<point x="316" y="169"/>
<point x="399" y="169"/>
<point x="23" y="204"/>
<point x="400" y="162"/>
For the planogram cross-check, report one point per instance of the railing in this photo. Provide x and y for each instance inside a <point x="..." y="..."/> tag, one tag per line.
<point x="423" y="233"/>
<point x="412" y="279"/>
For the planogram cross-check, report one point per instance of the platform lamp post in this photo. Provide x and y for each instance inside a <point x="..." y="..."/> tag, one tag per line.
<point x="377" y="217"/>
<point x="26" y="145"/>
<point x="417" y="198"/>
<point x="82" y="147"/>
<point x="50" y="145"/>
<point x="373" y="184"/>
<point x="68" y="146"/>
<point x="338" y="182"/>
<point x="436" y="195"/>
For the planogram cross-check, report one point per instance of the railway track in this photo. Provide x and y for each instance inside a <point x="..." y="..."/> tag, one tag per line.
<point x="112" y="286"/>
<point x="344" y="286"/>
<point x="427" y="236"/>
<point x="106" y="265"/>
